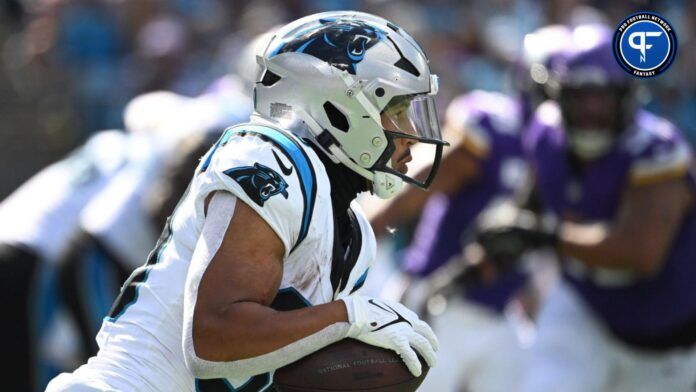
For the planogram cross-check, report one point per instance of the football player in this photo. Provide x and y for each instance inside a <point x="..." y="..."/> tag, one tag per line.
<point x="118" y="226"/>
<point x="40" y="229"/>
<point x="259" y="263"/>
<point x="485" y="164"/>
<point x="619" y="180"/>
<point x="39" y="221"/>
<point x="490" y="165"/>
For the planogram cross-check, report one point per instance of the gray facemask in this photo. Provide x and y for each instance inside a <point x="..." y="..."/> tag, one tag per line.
<point x="590" y="143"/>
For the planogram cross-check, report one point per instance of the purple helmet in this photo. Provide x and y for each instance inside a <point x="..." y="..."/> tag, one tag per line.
<point x="590" y="61"/>
<point x="594" y="94"/>
<point x="543" y="47"/>
<point x="532" y="70"/>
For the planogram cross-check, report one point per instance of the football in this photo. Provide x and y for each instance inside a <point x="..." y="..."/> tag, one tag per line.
<point x="349" y="365"/>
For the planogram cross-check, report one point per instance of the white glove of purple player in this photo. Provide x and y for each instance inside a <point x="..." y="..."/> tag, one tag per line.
<point x="391" y="325"/>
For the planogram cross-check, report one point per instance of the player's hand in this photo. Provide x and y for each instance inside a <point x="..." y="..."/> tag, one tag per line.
<point x="392" y="326"/>
<point x="506" y="244"/>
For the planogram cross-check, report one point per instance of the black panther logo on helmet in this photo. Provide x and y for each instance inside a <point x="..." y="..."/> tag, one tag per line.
<point x="341" y="43"/>
<point x="259" y="182"/>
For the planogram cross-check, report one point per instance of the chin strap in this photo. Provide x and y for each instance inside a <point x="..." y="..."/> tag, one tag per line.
<point x="386" y="185"/>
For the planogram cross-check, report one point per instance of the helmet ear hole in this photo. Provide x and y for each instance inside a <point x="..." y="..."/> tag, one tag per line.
<point x="337" y="119"/>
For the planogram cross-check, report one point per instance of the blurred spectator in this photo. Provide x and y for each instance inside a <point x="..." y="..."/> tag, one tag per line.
<point x="77" y="62"/>
<point x="12" y="10"/>
<point x="68" y="67"/>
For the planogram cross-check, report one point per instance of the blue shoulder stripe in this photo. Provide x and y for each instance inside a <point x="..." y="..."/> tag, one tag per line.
<point x="208" y="159"/>
<point x="291" y="148"/>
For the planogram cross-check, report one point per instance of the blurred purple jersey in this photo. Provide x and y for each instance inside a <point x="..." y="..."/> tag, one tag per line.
<point x="651" y="150"/>
<point x="493" y="124"/>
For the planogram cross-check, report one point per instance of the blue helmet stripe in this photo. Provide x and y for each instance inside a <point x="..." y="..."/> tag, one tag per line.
<point x="341" y="43"/>
<point x="302" y="48"/>
<point x="305" y="172"/>
<point x="328" y="41"/>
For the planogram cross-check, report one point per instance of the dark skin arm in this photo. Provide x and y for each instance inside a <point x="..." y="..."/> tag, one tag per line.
<point x="648" y="220"/>
<point x="457" y="168"/>
<point x="232" y="318"/>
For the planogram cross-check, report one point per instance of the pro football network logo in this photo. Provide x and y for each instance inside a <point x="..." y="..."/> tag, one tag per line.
<point x="645" y="44"/>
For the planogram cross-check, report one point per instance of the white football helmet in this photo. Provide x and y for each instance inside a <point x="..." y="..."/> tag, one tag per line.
<point x="345" y="74"/>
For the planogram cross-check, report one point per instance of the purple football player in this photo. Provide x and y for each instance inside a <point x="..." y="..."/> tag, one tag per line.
<point x="619" y="182"/>
<point x="490" y="124"/>
<point x="485" y="161"/>
<point x="485" y="164"/>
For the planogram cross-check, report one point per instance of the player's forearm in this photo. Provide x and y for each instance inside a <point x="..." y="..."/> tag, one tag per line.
<point x="617" y="249"/>
<point x="249" y="329"/>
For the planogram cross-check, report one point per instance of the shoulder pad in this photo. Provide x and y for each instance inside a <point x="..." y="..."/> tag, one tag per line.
<point x="479" y="116"/>
<point x="270" y="170"/>
<point x="657" y="150"/>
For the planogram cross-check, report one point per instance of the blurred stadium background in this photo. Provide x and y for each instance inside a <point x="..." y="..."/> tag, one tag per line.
<point x="68" y="67"/>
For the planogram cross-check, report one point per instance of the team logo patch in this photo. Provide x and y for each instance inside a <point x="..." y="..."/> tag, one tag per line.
<point x="341" y="43"/>
<point x="645" y="44"/>
<point x="259" y="182"/>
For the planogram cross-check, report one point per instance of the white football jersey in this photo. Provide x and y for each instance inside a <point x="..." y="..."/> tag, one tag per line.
<point x="43" y="214"/>
<point x="285" y="182"/>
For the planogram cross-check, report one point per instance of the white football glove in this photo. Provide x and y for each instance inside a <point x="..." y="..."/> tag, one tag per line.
<point x="391" y="325"/>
